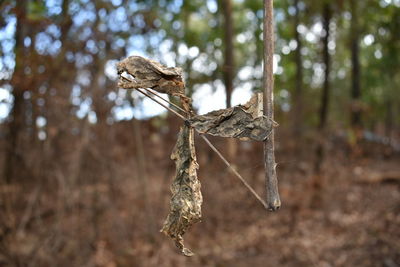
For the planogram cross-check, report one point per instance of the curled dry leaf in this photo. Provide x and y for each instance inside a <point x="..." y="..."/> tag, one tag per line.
<point x="185" y="204"/>
<point x="147" y="73"/>
<point x="240" y="121"/>
<point x="151" y="74"/>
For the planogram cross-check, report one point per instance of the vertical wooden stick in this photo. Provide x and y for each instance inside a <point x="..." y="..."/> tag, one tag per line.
<point x="260" y="104"/>
<point x="273" y="200"/>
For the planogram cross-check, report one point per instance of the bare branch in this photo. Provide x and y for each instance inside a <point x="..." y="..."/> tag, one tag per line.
<point x="273" y="199"/>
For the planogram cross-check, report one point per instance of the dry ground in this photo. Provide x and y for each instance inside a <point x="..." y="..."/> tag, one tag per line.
<point x="347" y="216"/>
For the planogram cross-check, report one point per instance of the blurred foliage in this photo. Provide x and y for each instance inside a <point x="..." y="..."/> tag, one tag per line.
<point x="90" y="36"/>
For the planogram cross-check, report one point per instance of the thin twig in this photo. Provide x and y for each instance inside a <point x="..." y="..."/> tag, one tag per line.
<point x="158" y="102"/>
<point x="272" y="199"/>
<point x="151" y="92"/>
<point x="234" y="171"/>
<point x="215" y="150"/>
<point x="169" y="102"/>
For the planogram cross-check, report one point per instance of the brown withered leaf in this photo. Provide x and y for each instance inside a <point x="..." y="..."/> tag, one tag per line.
<point x="240" y="121"/>
<point x="185" y="204"/>
<point x="148" y="73"/>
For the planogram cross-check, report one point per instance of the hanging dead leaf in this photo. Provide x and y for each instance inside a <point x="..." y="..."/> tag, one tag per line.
<point x="185" y="204"/>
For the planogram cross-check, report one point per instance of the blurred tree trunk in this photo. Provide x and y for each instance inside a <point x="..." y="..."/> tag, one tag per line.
<point x="392" y="68"/>
<point x="389" y="118"/>
<point x="355" y="70"/>
<point x="323" y="112"/>
<point x="60" y="76"/>
<point x="228" y="68"/>
<point x="143" y="179"/>
<point x="317" y="181"/>
<point x="13" y="159"/>
<point x="102" y="131"/>
<point x="298" y="93"/>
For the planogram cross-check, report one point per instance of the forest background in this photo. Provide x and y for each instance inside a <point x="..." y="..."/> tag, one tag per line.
<point x="85" y="168"/>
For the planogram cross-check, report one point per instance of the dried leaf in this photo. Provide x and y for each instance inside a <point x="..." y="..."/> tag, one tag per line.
<point x="185" y="204"/>
<point x="151" y="74"/>
<point x="239" y="121"/>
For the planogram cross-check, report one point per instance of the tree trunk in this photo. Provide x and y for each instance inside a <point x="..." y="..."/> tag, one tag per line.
<point x="298" y="93"/>
<point x="323" y="112"/>
<point x="143" y="178"/>
<point x="17" y="113"/>
<point x="317" y="181"/>
<point x="355" y="70"/>
<point x="389" y="118"/>
<point x="273" y="200"/>
<point x="228" y="68"/>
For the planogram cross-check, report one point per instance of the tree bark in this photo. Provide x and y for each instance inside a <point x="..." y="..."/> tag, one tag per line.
<point x="355" y="70"/>
<point x="273" y="200"/>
